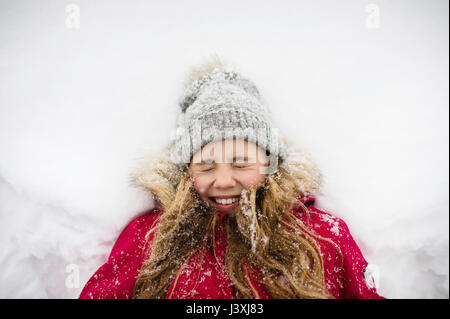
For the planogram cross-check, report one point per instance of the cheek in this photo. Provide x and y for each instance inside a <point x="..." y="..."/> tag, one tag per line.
<point x="250" y="178"/>
<point x="201" y="185"/>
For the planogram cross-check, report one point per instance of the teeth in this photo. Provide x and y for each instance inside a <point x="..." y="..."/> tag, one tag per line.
<point x="226" y="201"/>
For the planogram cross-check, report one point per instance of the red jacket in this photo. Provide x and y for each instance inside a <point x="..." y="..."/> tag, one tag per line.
<point x="204" y="275"/>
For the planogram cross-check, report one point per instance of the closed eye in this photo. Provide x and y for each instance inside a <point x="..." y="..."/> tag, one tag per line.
<point x="207" y="169"/>
<point x="240" y="166"/>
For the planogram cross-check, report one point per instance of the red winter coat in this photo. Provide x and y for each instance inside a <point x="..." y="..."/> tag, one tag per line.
<point x="204" y="275"/>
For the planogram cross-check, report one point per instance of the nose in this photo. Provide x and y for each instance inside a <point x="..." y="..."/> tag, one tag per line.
<point x="224" y="178"/>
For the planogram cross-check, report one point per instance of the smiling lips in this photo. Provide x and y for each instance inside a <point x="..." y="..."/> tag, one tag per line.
<point x="225" y="200"/>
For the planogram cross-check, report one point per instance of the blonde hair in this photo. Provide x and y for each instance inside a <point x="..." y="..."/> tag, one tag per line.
<point x="264" y="232"/>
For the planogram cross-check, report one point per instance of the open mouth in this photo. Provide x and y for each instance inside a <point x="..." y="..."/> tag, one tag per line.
<point x="225" y="201"/>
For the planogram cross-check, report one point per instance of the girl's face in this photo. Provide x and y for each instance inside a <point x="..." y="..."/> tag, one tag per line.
<point x="221" y="170"/>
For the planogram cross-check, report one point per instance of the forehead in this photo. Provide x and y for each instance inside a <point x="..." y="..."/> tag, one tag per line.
<point x="228" y="149"/>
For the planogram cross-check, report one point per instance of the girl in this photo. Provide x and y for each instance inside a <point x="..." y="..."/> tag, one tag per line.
<point x="235" y="215"/>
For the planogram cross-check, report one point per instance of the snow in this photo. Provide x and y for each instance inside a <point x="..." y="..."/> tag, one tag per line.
<point x="81" y="104"/>
<point x="333" y="222"/>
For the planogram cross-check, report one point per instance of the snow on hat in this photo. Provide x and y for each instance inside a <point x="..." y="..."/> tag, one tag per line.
<point x="222" y="104"/>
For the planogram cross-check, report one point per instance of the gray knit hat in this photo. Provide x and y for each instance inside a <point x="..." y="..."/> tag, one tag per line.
<point x="223" y="105"/>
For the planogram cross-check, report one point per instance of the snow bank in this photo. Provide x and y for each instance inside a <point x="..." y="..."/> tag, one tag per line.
<point x="89" y="88"/>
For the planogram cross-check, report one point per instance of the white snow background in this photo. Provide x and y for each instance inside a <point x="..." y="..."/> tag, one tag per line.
<point x="89" y="87"/>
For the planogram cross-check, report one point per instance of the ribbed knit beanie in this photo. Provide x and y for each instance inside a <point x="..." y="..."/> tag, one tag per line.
<point x="222" y="104"/>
